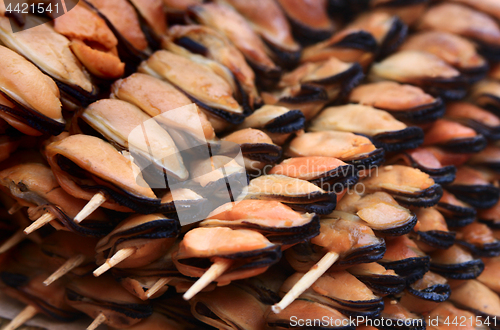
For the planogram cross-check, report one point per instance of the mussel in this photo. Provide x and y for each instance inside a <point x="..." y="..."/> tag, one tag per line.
<point x="379" y="279"/>
<point x="482" y="121"/>
<point x="486" y="94"/>
<point x="479" y="239"/>
<point x="489" y="275"/>
<point x="454" y="137"/>
<point x="432" y="231"/>
<point x="455" y="263"/>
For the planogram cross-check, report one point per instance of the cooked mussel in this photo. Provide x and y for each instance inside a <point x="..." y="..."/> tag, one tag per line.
<point x="212" y="44"/>
<point x="490" y="216"/>
<point x="279" y="123"/>
<point x="328" y="173"/>
<point x="479" y="239"/>
<point x="482" y="121"/>
<point x="488" y="158"/>
<point x="104" y="300"/>
<point x="425" y="161"/>
<point x="382" y="128"/>
<point x="480" y="28"/>
<point x="32" y="97"/>
<point x="489" y="276"/>
<point x="432" y="287"/>
<point x="158" y="321"/>
<point x="405" y="102"/>
<point x="299" y="194"/>
<point x="276" y="221"/>
<point x="348" y="147"/>
<point x="78" y="171"/>
<point x="211" y="92"/>
<point x="234" y="26"/>
<point x="342" y="291"/>
<point x="136" y="242"/>
<point x="408" y="186"/>
<point x="454" y="50"/>
<point x="455" y="263"/>
<point x="400" y="316"/>
<point x="257" y="148"/>
<point x="472" y="187"/>
<point x="432" y="231"/>
<point x="486" y="94"/>
<point x="404" y="257"/>
<point x="379" y="279"/>
<point x="184" y="204"/>
<point x="424" y="70"/>
<point x="454" y="137"/>
<point x="447" y="309"/>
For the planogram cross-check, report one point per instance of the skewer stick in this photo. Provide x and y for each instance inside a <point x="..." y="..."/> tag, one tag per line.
<point x="24" y="316"/>
<point x="157" y="286"/>
<point x="39" y="223"/>
<point x="12" y="241"/>
<point x="93" y="204"/>
<point x="14" y="208"/>
<point x="100" y="319"/>
<point x="306" y="281"/>
<point x="216" y="270"/>
<point x="69" y="265"/>
<point x="118" y="257"/>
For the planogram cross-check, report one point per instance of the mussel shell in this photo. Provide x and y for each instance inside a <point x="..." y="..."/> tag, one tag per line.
<point x="365" y="254"/>
<point x="289" y="122"/>
<point x="412" y="269"/>
<point x="262" y="152"/>
<point x="436" y="238"/>
<point x="487" y="250"/>
<point x="422" y="114"/>
<point x="460" y="271"/>
<point x="408" y="138"/>
<point x="383" y="284"/>
<point x="436" y="292"/>
<point x="479" y="196"/>
<point x="425" y="198"/>
<point x="339" y="179"/>
<point x="369" y="160"/>
<point x="402" y="319"/>
<point x="455" y="215"/>
<point x="394" y="38"/>
<point x="442" y="175"/>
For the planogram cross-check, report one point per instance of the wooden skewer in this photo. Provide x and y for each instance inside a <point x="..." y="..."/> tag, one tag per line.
<point x="215" y="271"/>
<point x="93" y="204"/>
<point x="12" y="241"/>
<point x="69" y="265"/>
<point x="100" y="319"/>
<point x="157" y="286"/>
<point x="118" y="257"/>
<point x="14" y="208"/>
<point x="24" y="316"/>
<point x="39" y="223"/>
<point x="306" y="281"/>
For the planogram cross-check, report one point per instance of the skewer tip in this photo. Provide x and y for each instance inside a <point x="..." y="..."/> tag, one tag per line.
<point x="118" y="257"/>
<point x="24" y="316"/>
<point x="100" y="319"/>
<point x="93" y="204"/>
<point x="39" y="223"/>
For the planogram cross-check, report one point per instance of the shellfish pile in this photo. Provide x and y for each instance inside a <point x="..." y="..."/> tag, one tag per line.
<point x="367" y="188"/>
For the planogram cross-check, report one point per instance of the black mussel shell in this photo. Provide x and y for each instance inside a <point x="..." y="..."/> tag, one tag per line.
<point x="473" y="75"/>
<point x="383" y="284"/>
<point x="347" y="80"/>
<point x="479" y="196"/>
<point x="361" y="40"/>
<point x="491" y="133"/>
<point x="427" y="197"/>
<point x="393" y="39"/>
<point x="232" y="118"/>
<point x="408" y="138"/>
<point x="368" y="161"/>
<point x="462" y="271"/>
<point x="448" y="89"/>
<point x="365" y="254"/>
<point x="337" y="179"/>
<point x="470" y="145"/>
<point x="436" y="293"/>
<point x="262" y="152"/>
<point x="423" y="114"/>
<point x="487" y="250"/>
<point x="442" y="175"/>
<point x="412" y="269"/>
<point x="402" y="229"/>
<point x="319" y="207"/>
<point x="457" y="216"/>
<point x="436" y="238"/>
<point x="284" y="58"/>
<point x="289" y="122"/>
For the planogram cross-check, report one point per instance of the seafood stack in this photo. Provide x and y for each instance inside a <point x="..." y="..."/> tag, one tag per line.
<point x="264" y="164"/>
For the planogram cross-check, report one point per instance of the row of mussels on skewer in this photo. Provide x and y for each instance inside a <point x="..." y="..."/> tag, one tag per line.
<point x="234" y="164"/>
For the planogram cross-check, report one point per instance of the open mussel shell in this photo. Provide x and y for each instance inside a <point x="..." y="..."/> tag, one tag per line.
<point x="328" y="173"/>
<point x="455" y="212"/>
<point x="229" y="307"/>
<point x="307" y="309"/>
<point x="411" y="187"/>
<point x="397" y="317"/>
<point x="309" y="21"/>
<point x="378" y="278"/>
<point x="114" y="174"/>
<point x="480" y="28"/>
<point x="432" y="230"/>
<point x="431" y="287"/>
<point x="479" y="299"/>
<point x="277" y="122"/>
<point x="299" y="194"/>
<point x="489" y="276"/>
<point x="425" y="70"/>
<point x="486" y="94"/>
<point x="348" y="147"/>
<point x="479" y="239"/>
<point x="488" y="158"/>
<point x="120" y="308"/>
<point x="454" y="137"/>
<point x="490" y="216"/>
<point x="352" y="297"/>
<point x="403" y="256"/>
<point x="276" y="221"/>
<point x="472" y="187"/>
<point x="405" y="102"/>
<point x="425" y="161"/>
<point x="453" y="49"/>
<point x="455" y="263"/>
<point x="482" y="121"/>
<point x="51" y="53"/>
<point x="380" y="212"/>
<point x="383" y="129"/>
